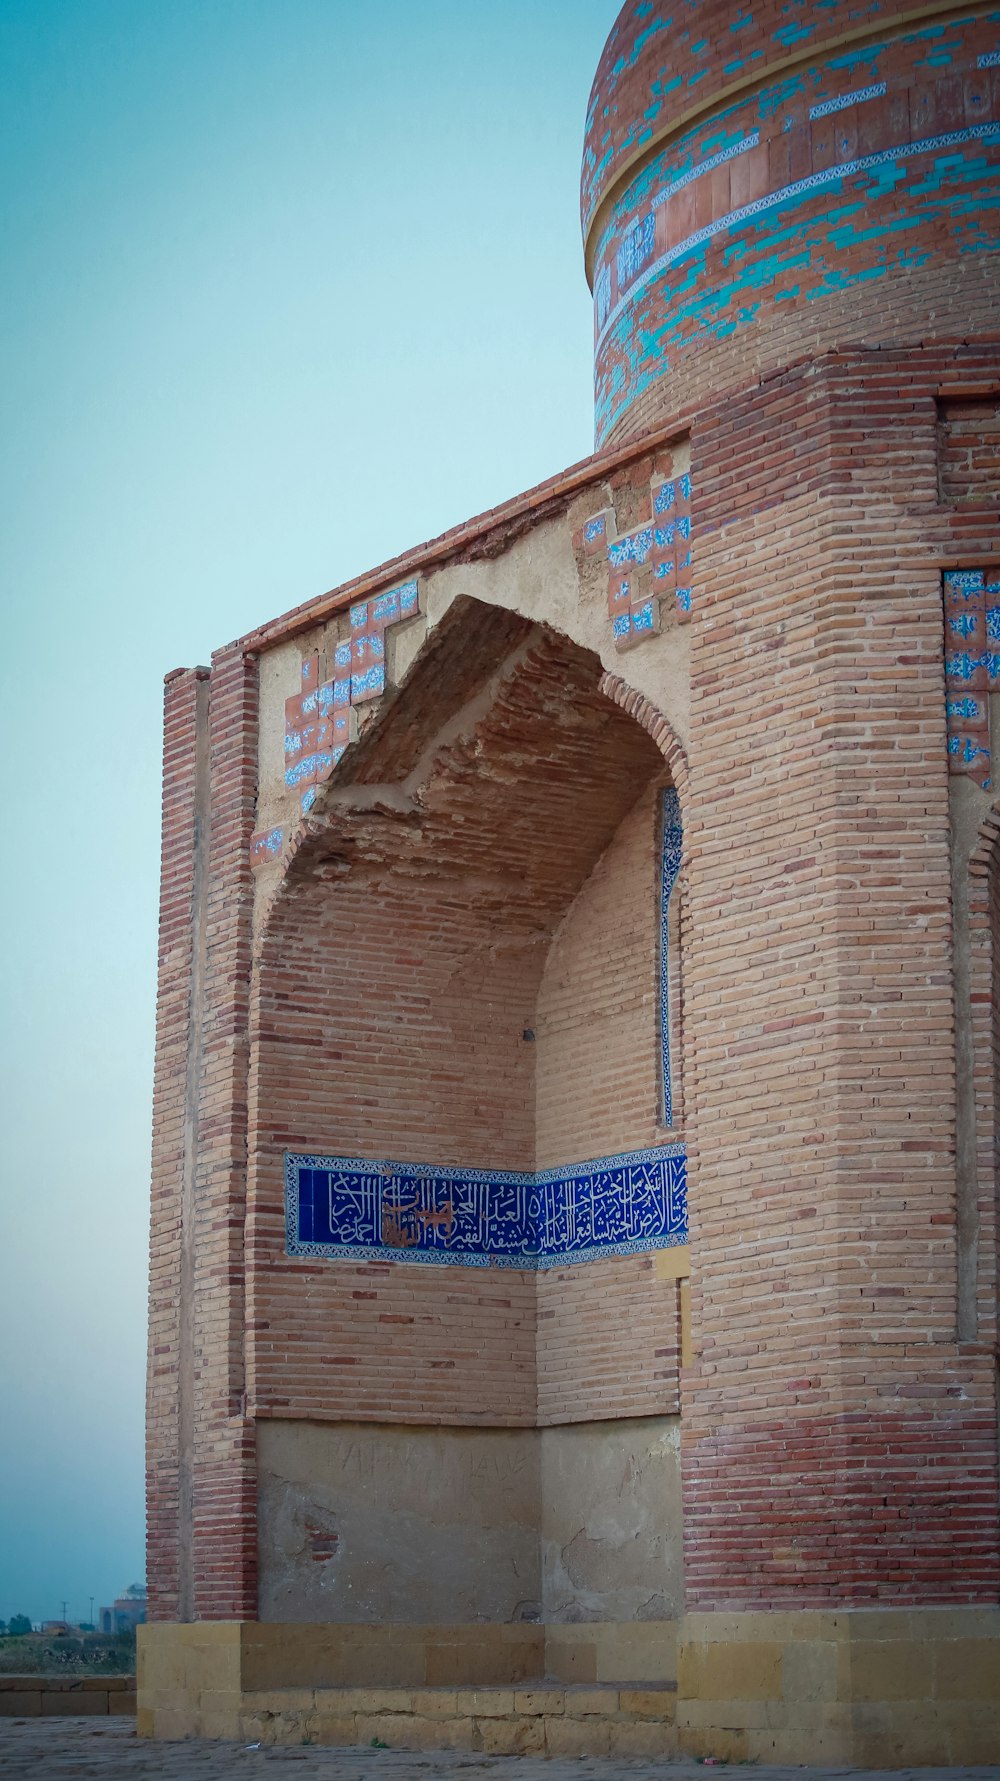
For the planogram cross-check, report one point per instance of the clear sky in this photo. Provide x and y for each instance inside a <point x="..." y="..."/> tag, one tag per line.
<point x="288" y="286"/>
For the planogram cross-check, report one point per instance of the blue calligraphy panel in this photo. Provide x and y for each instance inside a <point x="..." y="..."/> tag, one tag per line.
<point x="338" y="1206"/>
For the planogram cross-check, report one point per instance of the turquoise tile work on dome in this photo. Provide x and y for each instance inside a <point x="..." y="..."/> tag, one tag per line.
<point x="664" y="57"/>
<point x="882" y="157"/>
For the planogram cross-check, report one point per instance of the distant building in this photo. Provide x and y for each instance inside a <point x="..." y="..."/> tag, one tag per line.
<point x="127" y="1611"/>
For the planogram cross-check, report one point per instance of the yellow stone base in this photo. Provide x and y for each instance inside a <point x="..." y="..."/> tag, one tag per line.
<point x="587" y="1690"/>
<point x="874" y="1688"/>
<point x="871" y="1687"/>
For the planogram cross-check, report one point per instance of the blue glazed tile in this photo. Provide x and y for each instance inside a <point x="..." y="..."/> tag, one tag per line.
<point x="785" y="195"/>
<point x="962" y="667"/>
<point x="602" y="294"/>
<point x="964" y="624"/>
<point x="476" y="1218"/>
<point x="370" y="684"/>
<point x="636" y="250"/>
<point x="634" y="548"/>
<point x="966" y="582"/>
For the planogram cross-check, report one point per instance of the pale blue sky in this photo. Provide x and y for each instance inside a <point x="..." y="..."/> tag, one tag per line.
<point x="288" y="286"/>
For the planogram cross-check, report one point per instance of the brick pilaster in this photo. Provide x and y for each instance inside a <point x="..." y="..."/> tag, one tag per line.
<point x="840" y="1445"/>
<point x="185" y="786"/>
<point x="223" y="1533"/>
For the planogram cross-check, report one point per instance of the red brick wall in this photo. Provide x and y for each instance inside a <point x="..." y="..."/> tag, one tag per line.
<point x="969" y="449"/>
<point x="608" y="1341"/>
<point x="390" y="1023"/>
<point x="597" y="1021"/>
<point x="819" y="1011"/>
<point x="607" y="1330"/>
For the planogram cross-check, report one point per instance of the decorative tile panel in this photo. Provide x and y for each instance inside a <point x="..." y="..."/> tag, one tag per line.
<point x="345" y="1207"/>
<point x="265" y="846"/>
<point x="648" y="565"/>
<point x="671" y="848"/>
<point x="972" y="667"/>
<point x="318" y="723"/>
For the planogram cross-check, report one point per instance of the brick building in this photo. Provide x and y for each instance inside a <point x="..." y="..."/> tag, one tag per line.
<point x="574" y="1241"/>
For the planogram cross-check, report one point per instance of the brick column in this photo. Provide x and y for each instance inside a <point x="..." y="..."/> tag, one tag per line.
<point x="223" y="1532"/>
<point x="169" y="1375"/>
<point x="839" y="1444"/>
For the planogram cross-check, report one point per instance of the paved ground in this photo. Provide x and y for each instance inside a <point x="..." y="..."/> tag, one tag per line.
<point x="108" y="1750"/>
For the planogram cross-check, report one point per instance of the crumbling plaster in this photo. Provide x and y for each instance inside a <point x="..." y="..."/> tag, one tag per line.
<point x="536" y="576"/>
<point x="363" y="1522"/>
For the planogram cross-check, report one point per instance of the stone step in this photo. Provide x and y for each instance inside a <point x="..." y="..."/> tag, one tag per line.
<point x="550" y="1719"/>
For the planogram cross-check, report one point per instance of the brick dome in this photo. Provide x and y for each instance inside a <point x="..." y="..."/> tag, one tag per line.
<point x="658" y="66"/>
<point x="742" y="161"/>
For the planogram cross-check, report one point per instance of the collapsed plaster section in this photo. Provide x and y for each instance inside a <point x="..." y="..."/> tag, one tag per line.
<point x="362" y="1523"/>
<point x="449" y="787"/>
<point x="533" y="575"/>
